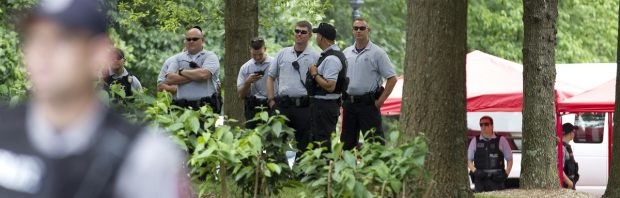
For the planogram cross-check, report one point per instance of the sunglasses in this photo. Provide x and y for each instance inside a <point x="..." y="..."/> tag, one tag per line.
<point x="359" y="28"/>
<point x="485" y="124"/>
<point x="192" y="39"/>
<point x="298" y="31"/>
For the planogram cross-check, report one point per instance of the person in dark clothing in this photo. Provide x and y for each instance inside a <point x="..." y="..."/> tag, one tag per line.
<point x="570" y="168"/>
<point x="485" y="158"/>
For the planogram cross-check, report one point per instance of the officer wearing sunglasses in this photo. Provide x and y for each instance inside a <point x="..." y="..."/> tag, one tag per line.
<point x="287" y="74"/>
<point x="485" y="158"/>
<point x="368" y="65"/>
<point x="195" y="72"/>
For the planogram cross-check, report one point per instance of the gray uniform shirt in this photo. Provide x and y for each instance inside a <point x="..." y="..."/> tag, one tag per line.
<point x="329" y="69"/>
<point x="503" y="146"/>
<point x="288" y="78"/>
<point x="164" y="68"/>
<point x="196" y="90"/>
<point x="367" y="69"/>
<point x="258" y="88"/>
<point x="152" y="168"/>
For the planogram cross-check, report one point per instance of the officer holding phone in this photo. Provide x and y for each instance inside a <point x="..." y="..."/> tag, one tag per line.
<point x="251" y="83"/>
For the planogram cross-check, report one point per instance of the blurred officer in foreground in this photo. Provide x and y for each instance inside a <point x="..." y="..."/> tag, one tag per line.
<point x="64" y="142"/>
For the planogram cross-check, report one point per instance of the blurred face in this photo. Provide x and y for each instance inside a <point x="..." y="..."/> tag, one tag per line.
<point x="302" y="35"/>
<point x="117" y="63"/>
<point x="62" y="64"/>
<point x="193" y="41"/>
<point x="361" y="30"/>
<point x="486" y="126"/>
<point x="258" y="55"/>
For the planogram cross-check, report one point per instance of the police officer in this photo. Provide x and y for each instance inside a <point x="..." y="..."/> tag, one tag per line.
<point x="119" y="75"/>
<point x="251" y="83"/>
<point x="571" y="168"/>
<point x="369" y="65"/>
<point x="485" y="158"/>
<point x="195" y="72"/>
<point x="288" y="69"/>
<point x="64" y="142"/>
<point x="325" y="84"/>
<point x="162" y="85"/>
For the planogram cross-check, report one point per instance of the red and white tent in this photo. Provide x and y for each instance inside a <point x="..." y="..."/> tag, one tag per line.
<point x="599" y="99"/>
<point x="496" y="85"/>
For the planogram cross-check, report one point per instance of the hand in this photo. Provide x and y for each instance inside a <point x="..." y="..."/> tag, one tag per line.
<point x="272" y="103"/>
<point x="474" y="170"/>
<point x="379" y="103"/>
<point x="313" y="69"/>
<point x="253" y="78"/>
<point x="570" y="184"/>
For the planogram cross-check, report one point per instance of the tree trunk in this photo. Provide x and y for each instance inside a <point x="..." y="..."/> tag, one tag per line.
<point x="241" y="24"/>
<point x="540" y="157"/>
<point x="434" y="90"/>
<point x="613" y="186"/>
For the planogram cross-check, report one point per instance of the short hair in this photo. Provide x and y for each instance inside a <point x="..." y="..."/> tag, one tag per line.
<point x="257" y="43"/>
<point x="487" y="117"/>
<point x="197" y="27"/>
<point x="360" y="19"/>
<point x="119" y="53"/>
<point x="305" y="24"/>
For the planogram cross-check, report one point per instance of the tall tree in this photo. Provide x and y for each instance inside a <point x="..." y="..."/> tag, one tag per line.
<point x="613" y="185"/>
<point x="434" y="90"/>
<point x="240" y="24"/>
<point x="539" y="166"/>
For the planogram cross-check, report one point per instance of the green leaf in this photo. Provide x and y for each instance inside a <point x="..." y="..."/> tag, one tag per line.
<point x="277" y="128"/>
<point x="194" y="124"/>
<point x="264" y="116"/>
<point x="274" y="168"/>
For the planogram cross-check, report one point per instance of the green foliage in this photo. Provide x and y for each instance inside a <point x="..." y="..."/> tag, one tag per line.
<point x="374" y="171"/>
<point x="13" y="80"/>
<point x="587" y="30"/>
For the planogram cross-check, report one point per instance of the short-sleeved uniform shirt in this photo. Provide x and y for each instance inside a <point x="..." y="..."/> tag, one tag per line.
<point x="290" y="82"/>
<point x="329" y="69"/>
<point x="258" y="88"/>
<point x="503" y="146"/>
<point x="367" y="68"/>
<point x="196" y="90"/>
<point x="164" y="68"/>
<point x="135" y="83"/>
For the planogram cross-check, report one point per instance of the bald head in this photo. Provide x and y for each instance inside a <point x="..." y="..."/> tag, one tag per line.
<point x="193" y="40"/>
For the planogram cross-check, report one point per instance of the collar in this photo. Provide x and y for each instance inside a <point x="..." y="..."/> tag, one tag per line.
<point x="305" y="52"/>
<point x="123" y="74"/>
<point x="332" y="47"/>
<point x="267" y="60"/>
<point x="72" y="140"/>
<point x="199" y="53"/>
<point x="369" y="46"/>
<point x="493" y="136"/>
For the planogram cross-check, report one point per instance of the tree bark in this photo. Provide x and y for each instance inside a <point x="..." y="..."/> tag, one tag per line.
<point x="540" y="157"/>
<point x="241" y="24"/>
<point x="434" y="101"/>
<point x="613" y="186"/>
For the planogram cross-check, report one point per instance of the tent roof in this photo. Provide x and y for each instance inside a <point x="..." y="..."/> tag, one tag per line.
<point x="599" y="99"/>
<point x="496" y="85"/>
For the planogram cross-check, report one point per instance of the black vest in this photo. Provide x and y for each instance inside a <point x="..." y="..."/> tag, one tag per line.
<point x="342" y="82"/>
<point x="571" y="168"/>
<point x="92" y="173"/>
<point x="123" y="82"/>
<point x="487" y="155"/>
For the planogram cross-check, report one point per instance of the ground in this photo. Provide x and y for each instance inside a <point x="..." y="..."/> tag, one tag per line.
<point x="518" y="193"/>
